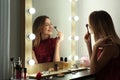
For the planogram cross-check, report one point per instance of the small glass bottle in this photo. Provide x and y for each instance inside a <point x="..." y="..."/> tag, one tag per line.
<point x="12" y="68"/>
<point x="23" y="73"/>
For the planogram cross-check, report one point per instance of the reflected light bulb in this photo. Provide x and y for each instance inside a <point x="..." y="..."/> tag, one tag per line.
<point x="76" y="18"/>
<point x="76" y="38"/>
<point x="70" y="38"/>
<point x="76" y="58"/>
<point x="70" y="58"/>
<point x="32" y="10"/>
<point x="31" y="36"/>
<point x="70" y="18"/>
<point x="31" y="62"/>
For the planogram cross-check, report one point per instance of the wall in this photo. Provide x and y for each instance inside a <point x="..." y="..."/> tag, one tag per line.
<point x="9" y="35"/>
<point x="15" y="28"/>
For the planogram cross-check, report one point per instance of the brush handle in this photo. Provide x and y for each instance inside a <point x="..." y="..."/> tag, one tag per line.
<point x="56" y="28"/>
<point x="87" y="28"/>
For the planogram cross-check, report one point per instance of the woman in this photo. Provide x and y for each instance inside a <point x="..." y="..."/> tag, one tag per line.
<point x="105" y="54"/>
<point x="45" y="48"/>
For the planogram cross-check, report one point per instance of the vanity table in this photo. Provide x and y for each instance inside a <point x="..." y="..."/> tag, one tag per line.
<point x="82" y="73"/>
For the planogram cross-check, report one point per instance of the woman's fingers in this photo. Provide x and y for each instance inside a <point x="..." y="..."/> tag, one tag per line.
<point x="87" y="37"/>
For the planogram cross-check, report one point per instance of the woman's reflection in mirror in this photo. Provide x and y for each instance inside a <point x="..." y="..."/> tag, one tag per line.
<point x="45" y="48"/>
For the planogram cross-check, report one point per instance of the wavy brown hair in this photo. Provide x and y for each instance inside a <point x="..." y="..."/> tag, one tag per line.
<point x="101" y="23"/>
<point x="38" y="23"/>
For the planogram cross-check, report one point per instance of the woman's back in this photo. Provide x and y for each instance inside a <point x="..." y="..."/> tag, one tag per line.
<point x="111" y="71"/>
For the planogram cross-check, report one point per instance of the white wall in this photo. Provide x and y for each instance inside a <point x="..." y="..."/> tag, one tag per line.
<point x="85" y="7"/>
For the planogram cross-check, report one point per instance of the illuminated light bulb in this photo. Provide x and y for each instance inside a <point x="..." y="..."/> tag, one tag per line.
<point x="76" y="18"/>
<point x="76" y="58"/>
<point x="70" y="57"/>
<point x="31" y="62"/>
<point x="32" y="10"/>
<point x="70" y="38"/>
<point x="76" y="38"/>
<point x="31" y="36"/>
<point x="70" y="18"/>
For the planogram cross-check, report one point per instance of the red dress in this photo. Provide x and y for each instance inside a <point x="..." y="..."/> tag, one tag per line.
<point x="111" y="71"/>
<point x="45" y="51"/>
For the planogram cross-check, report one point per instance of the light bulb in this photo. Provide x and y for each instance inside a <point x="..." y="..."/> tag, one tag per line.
<point x="76" y="38"/>
<point x="70" y="38"/>
<point x="31" y="62"/>
<point x="70" y="57"/>
<point x="32" y="10"/>
<point x="31" y="36"/>
<point x="76" y="18"/>
<point x="76" y="58"/>
<point x="70" y="18"/>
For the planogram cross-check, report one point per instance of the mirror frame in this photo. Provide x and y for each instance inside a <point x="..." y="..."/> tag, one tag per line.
<point x="26" y="44"/>
<point x="25" y="29"/>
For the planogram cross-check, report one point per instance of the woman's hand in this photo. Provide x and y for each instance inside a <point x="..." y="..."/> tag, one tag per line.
<point x="60" y="37"/>
<point x="87" y="38"/>
<point x="88" y="42"/>
<point x="102" y="42"/>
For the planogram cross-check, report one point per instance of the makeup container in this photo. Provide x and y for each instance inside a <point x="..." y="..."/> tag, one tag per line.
<point x="23" y="73"/>
<point x="65" y="63"/>
<point x="56" y="67"/>
<point x="61" y="58"/>
<point x="12" y="67"/>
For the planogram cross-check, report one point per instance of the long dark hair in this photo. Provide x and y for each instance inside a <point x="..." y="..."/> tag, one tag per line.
<point x="38" y="23"/>
<point x="101" y="23"/>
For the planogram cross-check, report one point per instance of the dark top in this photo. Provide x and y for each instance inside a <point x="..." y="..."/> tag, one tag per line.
<point x="111" y="71"/>
<point x="45" y="51"/>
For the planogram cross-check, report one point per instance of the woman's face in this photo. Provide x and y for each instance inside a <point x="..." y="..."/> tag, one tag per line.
<point x="47" y="28"/>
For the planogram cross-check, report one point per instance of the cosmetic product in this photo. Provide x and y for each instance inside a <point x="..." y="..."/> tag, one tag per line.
<point x="61" y="58"/>
<point x="56" y="28"/>
<point x="56" y="67"/>
<point x="18" y="72"/>
<point x="23" y="73"/>
<point x="12" y="67"/>
<point x="19" y="62"/>
<point x="65" y="59"/>
<point x="87" y="28"/>
<point x="65" y="65"/>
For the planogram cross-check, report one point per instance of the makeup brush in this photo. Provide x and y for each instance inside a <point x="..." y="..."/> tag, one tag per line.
<point x="87" y="28"/>
<point x="56" y="28"/>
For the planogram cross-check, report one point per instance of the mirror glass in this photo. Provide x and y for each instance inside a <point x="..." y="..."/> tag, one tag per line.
<point x="59" y="12"/>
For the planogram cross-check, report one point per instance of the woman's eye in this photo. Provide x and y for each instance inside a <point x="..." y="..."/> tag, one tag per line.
<point x="48" y="24"/>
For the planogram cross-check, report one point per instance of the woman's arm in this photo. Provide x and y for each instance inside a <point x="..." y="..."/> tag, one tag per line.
<point x="34" y="57"/>
<point x="108" y="51"/>
<point x="57" y="53"/>
<point x="88" y="43"/>
<point x="57" y="47"/>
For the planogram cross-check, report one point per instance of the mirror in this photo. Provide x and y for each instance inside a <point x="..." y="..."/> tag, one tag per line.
<point x="59" y="12"/>
<point x="84" y="8"/>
